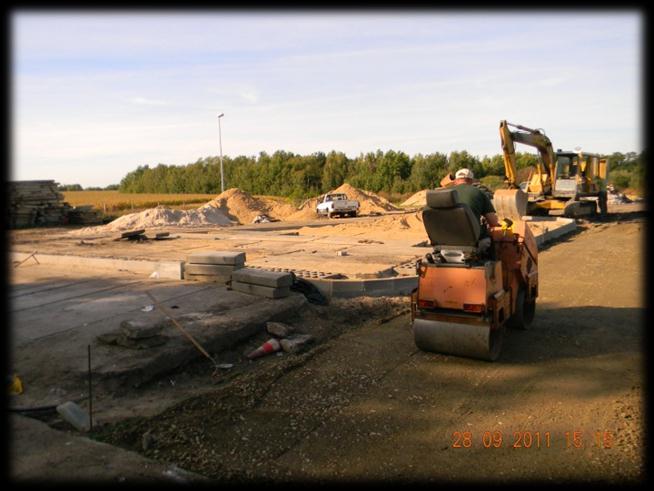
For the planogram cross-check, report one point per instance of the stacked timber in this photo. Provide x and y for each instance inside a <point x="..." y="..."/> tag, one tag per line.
<point x="84" y="215"/>
<point x="36" y="203"/>
<point x="213" y="266"/>
<point x="271" y="284"/>
<point x="40" y="204"/>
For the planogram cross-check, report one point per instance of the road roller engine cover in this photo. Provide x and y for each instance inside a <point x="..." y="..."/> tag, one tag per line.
<point x="477" y="281"/>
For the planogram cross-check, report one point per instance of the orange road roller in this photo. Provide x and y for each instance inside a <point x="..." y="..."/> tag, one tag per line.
<point x="477" y="281"/>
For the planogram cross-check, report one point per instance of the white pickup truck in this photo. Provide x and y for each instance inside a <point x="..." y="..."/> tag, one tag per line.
<point x="337" y="204"/>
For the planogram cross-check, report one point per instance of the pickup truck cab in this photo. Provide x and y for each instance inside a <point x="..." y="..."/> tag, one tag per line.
<point x="337" y="204"/>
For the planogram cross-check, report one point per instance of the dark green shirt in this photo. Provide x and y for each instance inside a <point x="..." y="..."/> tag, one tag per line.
<point x="477" y="200"/>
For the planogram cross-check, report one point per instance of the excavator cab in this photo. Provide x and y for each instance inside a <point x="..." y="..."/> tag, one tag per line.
<point x="567" y="172"/>
<point x="474" y="283"/>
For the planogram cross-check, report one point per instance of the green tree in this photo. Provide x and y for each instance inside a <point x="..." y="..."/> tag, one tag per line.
<point x="493" y="166"/>
<point x="462" y="159"/>
<point x="523" y="160"/>
<point x="334" y="171"/>
<point x="70" y="187"/>
<point x="427" y="171"/>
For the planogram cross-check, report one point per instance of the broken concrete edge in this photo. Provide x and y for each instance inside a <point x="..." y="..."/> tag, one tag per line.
<point x="244" y="323"/>
<point x="171" y="270"/>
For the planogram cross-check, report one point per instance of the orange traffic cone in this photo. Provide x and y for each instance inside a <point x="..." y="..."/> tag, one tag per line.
<point x="269" y="346"/>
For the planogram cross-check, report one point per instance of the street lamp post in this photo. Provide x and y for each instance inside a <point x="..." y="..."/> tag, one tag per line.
<point x="220" y="140"/>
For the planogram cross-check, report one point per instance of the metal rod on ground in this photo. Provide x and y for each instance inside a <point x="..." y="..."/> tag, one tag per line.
<point x="178" y="325"/>
<point x="90" y="394"/>
<point x="31" y="255"/>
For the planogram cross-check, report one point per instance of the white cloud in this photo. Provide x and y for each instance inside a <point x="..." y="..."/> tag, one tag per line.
<point x="250" y="96"/>
<point x="146" y="102"/>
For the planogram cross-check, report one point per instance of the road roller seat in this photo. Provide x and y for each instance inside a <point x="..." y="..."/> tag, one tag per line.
<point x="452" y="226"/>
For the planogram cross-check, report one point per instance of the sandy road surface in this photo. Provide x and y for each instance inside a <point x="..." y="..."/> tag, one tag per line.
<point x="368" y="405"/>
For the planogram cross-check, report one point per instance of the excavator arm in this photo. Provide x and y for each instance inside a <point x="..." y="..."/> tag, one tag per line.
<point x="508" y="154"/>
<point x="534" y="138"/>
<point x="512" y="202"/>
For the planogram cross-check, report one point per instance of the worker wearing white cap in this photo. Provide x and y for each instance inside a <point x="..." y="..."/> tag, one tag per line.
<point x="477" y="200"/>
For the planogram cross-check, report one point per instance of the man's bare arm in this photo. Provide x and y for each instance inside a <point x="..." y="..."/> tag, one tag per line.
<point x="492" y="219"/>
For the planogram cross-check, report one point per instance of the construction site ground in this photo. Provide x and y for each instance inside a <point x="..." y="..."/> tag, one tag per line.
<point x="362" y="403"/>
<point x="363" y="247"/>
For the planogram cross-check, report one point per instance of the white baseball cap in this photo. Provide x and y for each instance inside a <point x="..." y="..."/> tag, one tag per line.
<point x="464" y="174"/>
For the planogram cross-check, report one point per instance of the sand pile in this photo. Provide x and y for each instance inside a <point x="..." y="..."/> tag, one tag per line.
<point x="307" y="211"/>
<point x="278" y="207"/>
<point x="387" y="227"/>
<point x="161" y="216"/>
<point x="369" y="203"/>
<point x="243" y="207"/>
<point x="418" y="200"/>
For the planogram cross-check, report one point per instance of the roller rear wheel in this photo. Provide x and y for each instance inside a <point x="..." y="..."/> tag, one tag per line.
<point x="524" y="312"/>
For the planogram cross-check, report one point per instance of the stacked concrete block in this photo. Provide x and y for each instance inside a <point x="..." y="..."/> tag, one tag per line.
<point x="270" y="284"/>
<point x="213" y="266"/>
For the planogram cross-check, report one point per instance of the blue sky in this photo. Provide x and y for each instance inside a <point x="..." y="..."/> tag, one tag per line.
<point x="97" y="94"/>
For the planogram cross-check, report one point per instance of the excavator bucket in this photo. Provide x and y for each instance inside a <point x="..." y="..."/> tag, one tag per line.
<point x="510" y="203"/>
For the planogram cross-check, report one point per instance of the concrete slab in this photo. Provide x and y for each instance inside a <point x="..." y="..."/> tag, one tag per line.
<point x="208" y="278"/>
<point x="217" y="257"/>
<point x="253" y="276"/>
<point x="98" y="461"/>
<point x="55" y="332"/>
<point x="210" y="269"/>
<point x="383" y="287"/>
<point x="550" y="228"/>
<point x="259" y="290"/>
<point x="165" y="269"/>
<point x="46" y="314"/>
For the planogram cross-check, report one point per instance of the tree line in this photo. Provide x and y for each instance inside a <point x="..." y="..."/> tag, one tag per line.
<point x="78" y="187"/>
<point x="301" y="176"/>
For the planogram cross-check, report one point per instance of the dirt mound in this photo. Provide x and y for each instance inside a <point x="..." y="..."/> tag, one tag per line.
<point x="241" y="206"/>
<point x="278" y="207"/>
<point x="307" y="211"/>
<point x="161" y="216"/>
<point x="369" y="203"/>
<point x="417" y="200"/>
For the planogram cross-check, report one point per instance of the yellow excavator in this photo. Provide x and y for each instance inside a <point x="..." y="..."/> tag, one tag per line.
<point x="573" y="183"/>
